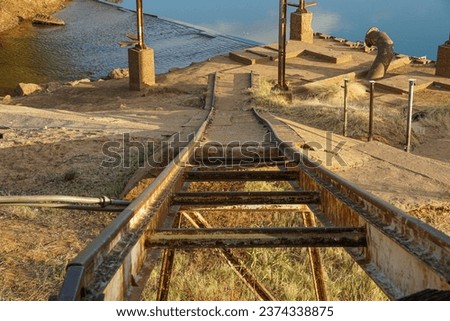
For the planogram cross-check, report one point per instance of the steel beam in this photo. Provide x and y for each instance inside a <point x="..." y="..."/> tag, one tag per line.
<point x="241" y="176"/>
<point x="257" y="238"/>
<point x="244" y="198"/>
<point x="404" y="255"/>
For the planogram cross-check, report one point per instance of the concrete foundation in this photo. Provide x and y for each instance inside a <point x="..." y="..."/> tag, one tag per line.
<point x="141" y="63"/>
<point x="301" y="26"/>
<point x="443" y="61"/>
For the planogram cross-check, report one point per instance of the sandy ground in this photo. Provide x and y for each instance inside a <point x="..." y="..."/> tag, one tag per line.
<point x="12" y="12"/>
<point x="53" y="143"/>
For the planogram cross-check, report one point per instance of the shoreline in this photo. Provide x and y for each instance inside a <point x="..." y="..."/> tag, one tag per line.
<point x="13" y="13"/>
<point x="89" y="50"/>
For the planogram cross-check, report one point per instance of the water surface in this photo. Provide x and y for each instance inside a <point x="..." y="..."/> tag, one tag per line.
<point x="416" y="26"/>
<point x="88" y="45"/>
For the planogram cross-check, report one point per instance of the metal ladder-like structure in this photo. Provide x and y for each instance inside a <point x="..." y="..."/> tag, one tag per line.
<point x="404" y="256"/>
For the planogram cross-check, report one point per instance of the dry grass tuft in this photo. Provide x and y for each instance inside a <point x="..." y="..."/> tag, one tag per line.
<point x="320" y="106"/>
<point x="436" y="216"/>
<point x="333" y="94"/>
<point x="437" y="118"/>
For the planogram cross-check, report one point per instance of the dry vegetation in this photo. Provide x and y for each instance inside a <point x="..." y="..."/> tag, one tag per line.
<point x="320" y="106"/>
<point x="38" y="243"/>
<point x="205" y="275"/>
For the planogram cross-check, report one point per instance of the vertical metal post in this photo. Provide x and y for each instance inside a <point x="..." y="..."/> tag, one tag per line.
<point x="140" y="24"/>
<point x="412" y="82"/>
<point x="282" y="46"/>
<point x="344" y="131"/>
<point x="302" y="6"/>
<point x="372" y="91"/>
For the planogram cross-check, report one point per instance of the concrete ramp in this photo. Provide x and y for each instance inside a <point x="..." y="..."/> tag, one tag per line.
<point x="294" y="49"/>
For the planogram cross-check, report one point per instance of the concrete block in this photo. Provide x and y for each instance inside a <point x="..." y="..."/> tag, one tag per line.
<point x="443" y="61"/>
<point x="301" y="27"/>
<point x="141" y="63"/>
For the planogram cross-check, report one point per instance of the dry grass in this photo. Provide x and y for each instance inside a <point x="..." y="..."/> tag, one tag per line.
<point x="320" y="106"/>
<point x="38" y="244"/>
<point x="437" y="118"/>
<point x="285" y="272"/>
<point x="436" y="216"/>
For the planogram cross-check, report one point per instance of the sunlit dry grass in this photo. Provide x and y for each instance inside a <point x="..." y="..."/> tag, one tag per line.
<point x="285" y="272"/>
<point x="321" y="106"/>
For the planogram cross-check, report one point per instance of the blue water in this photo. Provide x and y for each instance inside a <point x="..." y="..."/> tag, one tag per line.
<point x="417" y="27"/>
<point x="88" y="45"/>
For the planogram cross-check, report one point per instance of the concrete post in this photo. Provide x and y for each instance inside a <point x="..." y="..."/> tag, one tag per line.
<point x="301" y="26"/>
<point x="141" y="60"/>
<point x="141" y="63"/>
<point x="443" y="60"/>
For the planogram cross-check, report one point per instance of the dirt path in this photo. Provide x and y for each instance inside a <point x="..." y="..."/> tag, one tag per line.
<point x="233" y="121"/>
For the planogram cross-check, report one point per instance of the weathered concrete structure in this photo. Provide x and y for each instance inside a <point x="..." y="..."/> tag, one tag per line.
<point x="141" y="63"/>
<point x="385" y="46"/>
<point x="141" y="59"/>
<point x="301" y="26"/>
<point x="443" y="60"/>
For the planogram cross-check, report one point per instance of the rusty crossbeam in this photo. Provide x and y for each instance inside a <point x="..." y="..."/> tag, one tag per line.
<point x="241" y="176"/>
<point x="244" y="198"/>
<point x="255" y="161"/>
<point x="263" y="238"/>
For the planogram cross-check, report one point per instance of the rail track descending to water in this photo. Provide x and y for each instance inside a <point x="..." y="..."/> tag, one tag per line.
<point x="403" y="255"/>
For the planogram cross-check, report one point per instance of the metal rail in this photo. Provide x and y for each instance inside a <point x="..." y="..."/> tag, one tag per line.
<point x="402" y="254"/>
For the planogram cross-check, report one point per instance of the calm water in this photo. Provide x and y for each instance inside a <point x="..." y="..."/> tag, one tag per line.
<point x="87" y="46"/>
<point x="416" y="26"/>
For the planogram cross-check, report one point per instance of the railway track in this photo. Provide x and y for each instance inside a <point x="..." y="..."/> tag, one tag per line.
<point x="403" y="255"/>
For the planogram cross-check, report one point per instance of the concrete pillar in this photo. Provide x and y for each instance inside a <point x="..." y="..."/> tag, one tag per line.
<point x="443" y="60"/>
<point x="301" y="26"/>
<point x="141" y="63"/>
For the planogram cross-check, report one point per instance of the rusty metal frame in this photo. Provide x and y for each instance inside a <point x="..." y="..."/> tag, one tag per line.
<point x="238" y="266"/>
<point x="400" y="253"/>
<point x="202" y="238"/>
<point x="403" y="256"/>
<point x="244" y="198"/>
<point x="120" y="247"/>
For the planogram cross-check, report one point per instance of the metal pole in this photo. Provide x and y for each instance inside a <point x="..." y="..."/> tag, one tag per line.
<point x="412" y="82"/>
<point x="282" y="46"/>
<point x="302" y="6"/>
<point x="344" y="131"/>
<point x="140" y="24"/>
<point x="372" y="91"/>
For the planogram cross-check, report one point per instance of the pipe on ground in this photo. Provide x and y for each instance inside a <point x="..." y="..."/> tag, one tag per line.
<point x="102" y="201"/>
<point x="385" y="46"/>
